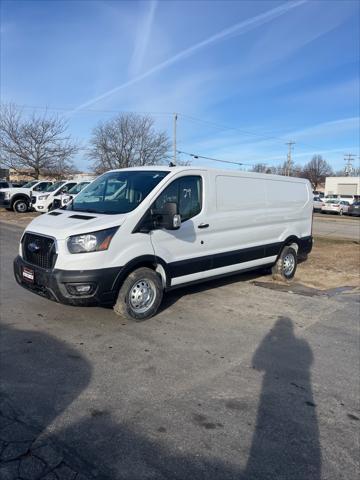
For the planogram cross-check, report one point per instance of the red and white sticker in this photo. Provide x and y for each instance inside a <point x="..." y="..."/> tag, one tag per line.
<point x="28" y="274"/>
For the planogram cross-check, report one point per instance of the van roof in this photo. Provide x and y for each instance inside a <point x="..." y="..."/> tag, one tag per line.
<point x="166" y="168"/>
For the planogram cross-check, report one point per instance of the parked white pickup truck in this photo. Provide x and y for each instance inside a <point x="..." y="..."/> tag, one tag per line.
<point x="19" y="198"/>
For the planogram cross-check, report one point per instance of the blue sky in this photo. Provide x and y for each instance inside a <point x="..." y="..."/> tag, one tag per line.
<point x="271" y="71"/>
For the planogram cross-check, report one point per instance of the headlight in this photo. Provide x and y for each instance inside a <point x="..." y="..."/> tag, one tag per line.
<point x="7" y="195"/>
<point x="43" y="197"/>
<point x="91" y="242"/>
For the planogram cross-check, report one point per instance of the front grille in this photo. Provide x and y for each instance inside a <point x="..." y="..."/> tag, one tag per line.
<point x="56" y="203"/>
<point x="33" y="199"/>
<point x="39" y="250"/>
<point x="2" y="195"/>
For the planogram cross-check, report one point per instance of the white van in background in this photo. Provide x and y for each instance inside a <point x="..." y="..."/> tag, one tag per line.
<point x="133" y="234"/>
<point x="63" y="199"/>
<point x="43" y="202"/>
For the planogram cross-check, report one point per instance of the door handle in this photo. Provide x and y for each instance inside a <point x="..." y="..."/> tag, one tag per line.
<point x="203" y="225"/>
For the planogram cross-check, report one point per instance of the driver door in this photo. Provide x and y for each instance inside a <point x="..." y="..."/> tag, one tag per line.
<point x="184" y="250"/>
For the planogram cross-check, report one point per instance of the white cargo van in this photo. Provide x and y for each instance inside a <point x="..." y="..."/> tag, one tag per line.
<point x="134" y="233"/>
<point x="43" y="202"/>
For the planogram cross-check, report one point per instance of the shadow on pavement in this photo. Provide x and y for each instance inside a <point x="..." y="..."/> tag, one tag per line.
<point x="43" y="377"/>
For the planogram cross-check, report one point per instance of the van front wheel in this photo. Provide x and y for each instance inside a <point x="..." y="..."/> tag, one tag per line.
<point x="140" y="295"/>
<point x="285" y="267"/>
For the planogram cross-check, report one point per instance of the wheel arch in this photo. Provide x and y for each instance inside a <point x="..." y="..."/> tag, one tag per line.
<point x="19" y="196"/>
<point x="294" y="242"/>
<point x="148" y="261"/>
<point x="291" y="241"/>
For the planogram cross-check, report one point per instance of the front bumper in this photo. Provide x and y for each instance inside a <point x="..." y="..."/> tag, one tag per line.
<point x="39" y="207"/>
<point x="4" y="203"/>
<point x="52" y="284"/>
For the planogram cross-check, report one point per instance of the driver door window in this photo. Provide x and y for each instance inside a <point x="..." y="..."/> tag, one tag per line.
<point x="41" y="187"/>
<point x="186" y="192"/>
<point x="67" y="187"/>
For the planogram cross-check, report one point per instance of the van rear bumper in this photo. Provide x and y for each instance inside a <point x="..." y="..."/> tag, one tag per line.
<point x="60" y="285"/>
<point x="305" y="245"/>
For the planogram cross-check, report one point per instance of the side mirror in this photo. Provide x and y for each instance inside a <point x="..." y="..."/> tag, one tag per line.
<point x="169" y="217"/>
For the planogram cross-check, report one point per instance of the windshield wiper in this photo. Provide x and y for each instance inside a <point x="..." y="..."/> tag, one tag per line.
<point x="91" y="211"/>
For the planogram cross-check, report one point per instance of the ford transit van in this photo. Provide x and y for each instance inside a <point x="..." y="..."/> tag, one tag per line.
<point x="133" y="234"/>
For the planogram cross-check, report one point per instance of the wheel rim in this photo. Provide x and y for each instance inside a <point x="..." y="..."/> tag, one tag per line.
<point x="21" y="207"/>
<point x="288" y="264"/>
<point x="142" y="295"/>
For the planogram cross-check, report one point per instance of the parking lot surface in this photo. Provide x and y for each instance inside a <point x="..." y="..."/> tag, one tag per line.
<point x="230" y="381"/>
<point x="336" y="226"/>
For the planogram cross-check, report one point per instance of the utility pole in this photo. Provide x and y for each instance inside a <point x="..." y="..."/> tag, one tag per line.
<point x="349" y="158"/>
<point x="174" y="141"/>
<point x="289" y="160"/>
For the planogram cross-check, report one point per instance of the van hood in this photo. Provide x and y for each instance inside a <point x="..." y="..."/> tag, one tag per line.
<point x="61" y="224"/>
<point x="14" y="190"/>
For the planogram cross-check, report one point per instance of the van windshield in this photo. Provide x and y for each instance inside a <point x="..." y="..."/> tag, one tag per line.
<point x="77" y="188"/>
<point x="30" y="184"/>
<point x="117" y="192"/>
<point x="54" y="186"/>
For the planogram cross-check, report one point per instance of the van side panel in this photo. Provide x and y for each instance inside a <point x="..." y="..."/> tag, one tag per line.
<point x="249" y="219"/>
<point x="289" y="209"/>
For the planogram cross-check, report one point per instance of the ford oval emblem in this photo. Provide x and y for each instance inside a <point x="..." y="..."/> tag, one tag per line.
<point x="33" y="247"/>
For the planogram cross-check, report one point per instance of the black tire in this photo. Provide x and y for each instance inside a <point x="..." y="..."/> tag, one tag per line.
<point x="20" y="206"/>
<point x="50" y="207"/>
<point x="286" y="264"/>
<point x="131" y="303"/>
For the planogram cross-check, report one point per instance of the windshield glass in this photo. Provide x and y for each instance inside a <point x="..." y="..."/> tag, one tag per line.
<point x="54" y="186"/>
<point x="30" y="184"/>
<point x="117" y="192"/>
<point x="77" y="188"/>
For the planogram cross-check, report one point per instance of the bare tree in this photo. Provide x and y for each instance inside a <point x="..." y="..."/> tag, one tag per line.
<point x="260" y="168"/>
<point x="127" y="140"/>
<point x="281" y="169"/>
<point x="316" y="170"/>
<point x="37" y="144"/>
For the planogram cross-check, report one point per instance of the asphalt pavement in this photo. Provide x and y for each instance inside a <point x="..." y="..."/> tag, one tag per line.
<point x="229" y="381"/>
<point x="336" y="226"/>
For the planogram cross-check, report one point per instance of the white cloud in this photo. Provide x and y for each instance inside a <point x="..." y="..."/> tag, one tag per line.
<point x="142" y="40"/>
<point x="236" y="29"/>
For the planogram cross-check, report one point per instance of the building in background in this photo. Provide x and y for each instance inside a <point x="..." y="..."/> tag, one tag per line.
<point x="4" y="174"/>
<point x="342" y="186"/>
<point x="83" y="177"/>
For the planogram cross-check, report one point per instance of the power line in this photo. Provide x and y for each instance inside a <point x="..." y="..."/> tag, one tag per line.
<point x="196" y="156"/>
<point x="170" y="114"/>
<point x="88" y="110"/>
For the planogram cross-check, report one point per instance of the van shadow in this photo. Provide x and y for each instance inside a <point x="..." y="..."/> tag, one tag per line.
<point x="285" y="443"/>
<point x="173" y="296"/>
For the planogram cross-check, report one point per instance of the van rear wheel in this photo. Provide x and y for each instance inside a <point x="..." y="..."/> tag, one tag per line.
<point x="140" y="295"/>
<point x="285" y="267"/>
